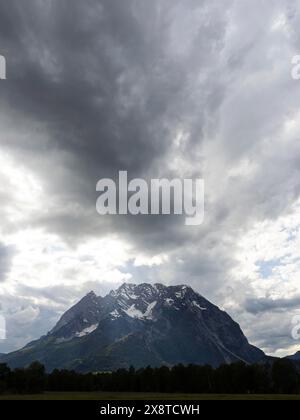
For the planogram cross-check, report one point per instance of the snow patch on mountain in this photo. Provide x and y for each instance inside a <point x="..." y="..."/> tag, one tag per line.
<point x="198" y="306"/>
<point x="133" y="312"/>
<point x="115" y="314"/>
<point x="181" y="293"/>
<point x="148" y="313"/>
<point x="87" y="331"/>
<point x="169" y="301"/>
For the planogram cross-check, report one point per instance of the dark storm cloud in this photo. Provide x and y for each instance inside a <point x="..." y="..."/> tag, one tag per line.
<point x="66" y="69"/>
<point x="99" y="79"/>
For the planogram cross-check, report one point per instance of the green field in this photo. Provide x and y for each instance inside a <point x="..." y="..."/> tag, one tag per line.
<point x="96" y="396"/>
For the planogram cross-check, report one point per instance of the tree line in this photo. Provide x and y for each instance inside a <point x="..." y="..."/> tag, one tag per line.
<point x="279" y="377"/>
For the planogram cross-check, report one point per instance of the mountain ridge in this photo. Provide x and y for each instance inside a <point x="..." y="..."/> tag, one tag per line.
<point x="295" y="357"/>
<point x="139" y="325"/>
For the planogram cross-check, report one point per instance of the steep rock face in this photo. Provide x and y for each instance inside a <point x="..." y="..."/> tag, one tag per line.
<point x="140" y="325"/>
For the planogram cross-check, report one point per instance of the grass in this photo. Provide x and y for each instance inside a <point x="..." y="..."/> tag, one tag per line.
<point x="98" y="396"/>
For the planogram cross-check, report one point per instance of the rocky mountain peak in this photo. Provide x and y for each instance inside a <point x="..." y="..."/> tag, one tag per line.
<point x="140" y="324"/>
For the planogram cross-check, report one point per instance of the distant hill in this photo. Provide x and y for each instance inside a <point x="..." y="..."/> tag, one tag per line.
<point x="295" y="357"/>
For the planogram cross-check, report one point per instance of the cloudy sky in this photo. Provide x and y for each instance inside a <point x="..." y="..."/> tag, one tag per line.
<point x="160" y="88"/>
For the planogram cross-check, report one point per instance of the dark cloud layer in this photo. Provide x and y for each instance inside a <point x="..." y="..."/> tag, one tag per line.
<point x="99" y="79"/>
<point x="256" y="306"/>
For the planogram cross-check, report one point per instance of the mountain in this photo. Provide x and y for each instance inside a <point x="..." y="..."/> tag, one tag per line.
<point x="139" y="325"/>
<point x="295" y="357"/>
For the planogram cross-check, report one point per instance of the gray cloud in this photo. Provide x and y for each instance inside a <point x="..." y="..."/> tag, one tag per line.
<point x="109" y="99"/>
<point x="256" y="306"/>
<point x="6" y="255"/>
